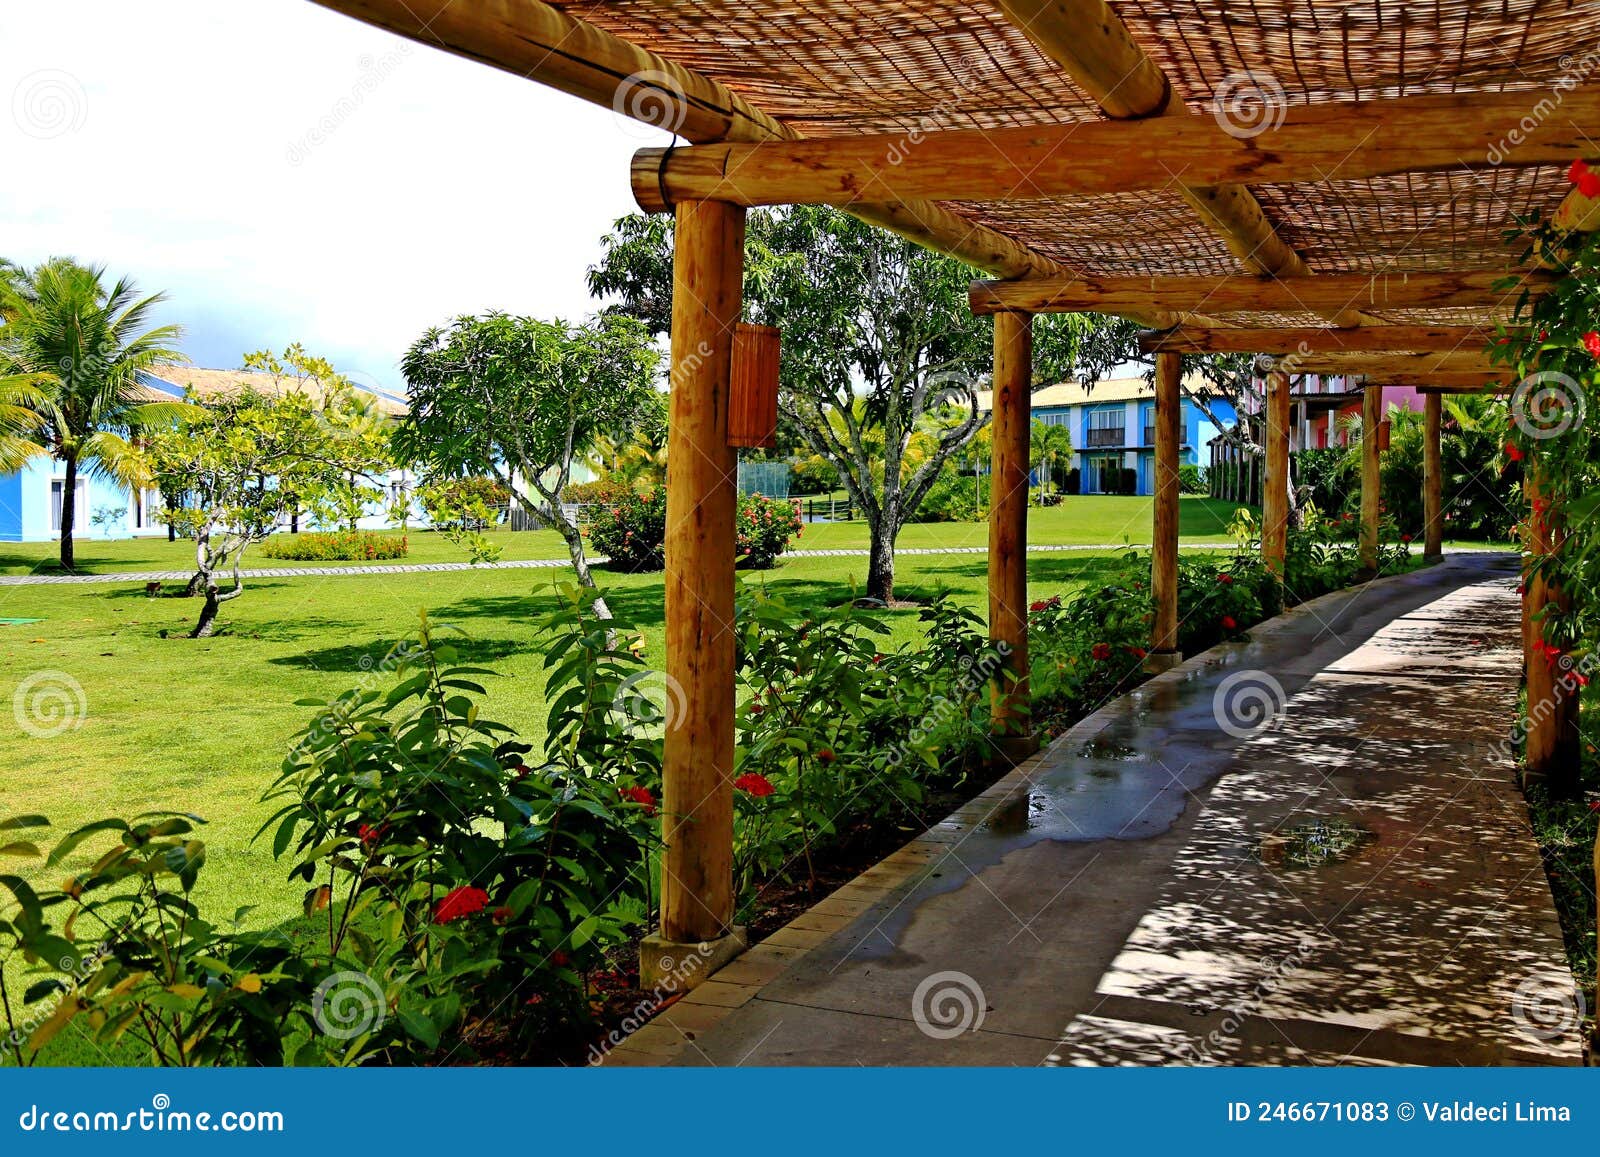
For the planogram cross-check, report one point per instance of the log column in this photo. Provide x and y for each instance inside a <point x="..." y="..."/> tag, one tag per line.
<point x="1008" y="531"/>
<point x="1275" y="499"/>
<point x="1432" y="479"/>
<point x="1164" y="652"/>
<point x="697" y="764"/>
<point x="1552" y="738"/>
<point x="1371" y="478"/>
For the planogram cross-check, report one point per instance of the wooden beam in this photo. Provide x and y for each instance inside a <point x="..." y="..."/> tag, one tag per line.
<point x="1432" y="478"/>
<point x="1551" y="744"/>
<point x="1090" y="42"/>
<point x="1164" y="651"/>
<point x="1275" y="490"/>
<point x="1236" y="294"/>
<point x="1448" y="383"/>
<point x="1470" y="361"/>
<point x="1352" y="140"/>
<point x="1008" y="531"/>
<point x="534" y="40"/>
<point x="1364" y="339"/>
<point x="1371" y="479"/>
<point x="697" y="757"/>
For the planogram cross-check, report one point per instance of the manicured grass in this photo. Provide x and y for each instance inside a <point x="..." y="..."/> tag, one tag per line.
<point x="1087" y="521"/>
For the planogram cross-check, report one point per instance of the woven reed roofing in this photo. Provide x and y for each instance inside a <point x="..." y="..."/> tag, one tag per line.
<point x="840" y="67"/>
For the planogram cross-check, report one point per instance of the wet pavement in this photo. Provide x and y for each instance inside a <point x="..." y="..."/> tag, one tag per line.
<point x="1303" y="849"/>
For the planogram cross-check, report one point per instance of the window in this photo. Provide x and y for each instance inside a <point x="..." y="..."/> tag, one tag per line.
<point x="1106" y="427"/>
<point x="80" y="506"/>
<point x="146" y="508"/>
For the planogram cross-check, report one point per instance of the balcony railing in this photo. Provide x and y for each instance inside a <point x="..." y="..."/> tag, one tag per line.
<point x="1106" y="436"/>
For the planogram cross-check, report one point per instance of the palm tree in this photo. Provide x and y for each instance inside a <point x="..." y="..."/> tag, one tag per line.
<point x="81" y="347"/>
<point x="1051" y="443"/>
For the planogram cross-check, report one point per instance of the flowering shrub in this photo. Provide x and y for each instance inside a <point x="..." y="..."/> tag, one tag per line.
<point x="631" y="529"/>
<point x="347" y="545"/>
<point x="763" y="527"/>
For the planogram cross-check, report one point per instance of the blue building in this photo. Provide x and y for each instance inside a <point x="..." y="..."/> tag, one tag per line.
<point x="30" y="499"/>
<point x="1112" y="425"/>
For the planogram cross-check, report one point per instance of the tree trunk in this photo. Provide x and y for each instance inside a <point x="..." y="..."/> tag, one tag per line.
<point x="880" y="565"/>
<point x="208" y="614"/>
<point x="573" y="537"/>
<point x="69" y="502"/>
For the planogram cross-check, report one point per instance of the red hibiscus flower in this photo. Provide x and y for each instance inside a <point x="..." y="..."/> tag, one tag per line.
<point x="1101" y="651"/>
<point x="826" y="755"/>
<point x="1228" y="623"/>
<point x="1225" y="579"/>
<point x="1513" y="453"/>
<point x="641" y="796"/>
<point x="1594" y="805"/>
<point x="1591" y="342"/>
<point x="371" y="835"/>
<point x="1587" y="180"/>
<point x="1036" y="607"/>
<point x="1405" y="538"/>
<point x="1137" y="652"/>
<point x="754" y="784"/>
<point x="462" y="901"/>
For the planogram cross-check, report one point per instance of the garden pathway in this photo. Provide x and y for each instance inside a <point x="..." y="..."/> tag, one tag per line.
<point x="1176" y="882"/>
<point x="150" y="576"/>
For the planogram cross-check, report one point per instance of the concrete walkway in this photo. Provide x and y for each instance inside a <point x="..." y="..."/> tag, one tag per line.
<point x="151" y="576"/>
<point x="1347" y="878"/>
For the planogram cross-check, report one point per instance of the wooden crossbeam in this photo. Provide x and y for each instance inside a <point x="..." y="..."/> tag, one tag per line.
<point x="1365" y="339"/>
<point x="1444" y="386"/>
<point x="534" y="40"/>
<point x="1323" y="293"/>
<point x="1337" y="141"/>
<point x="1094" y="47"/>
<point x="1420" y="365"/>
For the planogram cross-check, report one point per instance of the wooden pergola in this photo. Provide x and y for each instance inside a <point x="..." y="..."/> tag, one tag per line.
<point x="1325" y="182"/>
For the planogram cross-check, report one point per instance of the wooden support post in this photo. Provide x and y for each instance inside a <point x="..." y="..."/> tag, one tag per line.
<point x="1275" y="500"/>
<point x="1551" y="739"/>
<point x="1371" y="478"/>
<point x="1008" y="531"/>
<point x="697" y="760"/>
<point x="1432" y="478"/>
<point x="1164" y="652"/>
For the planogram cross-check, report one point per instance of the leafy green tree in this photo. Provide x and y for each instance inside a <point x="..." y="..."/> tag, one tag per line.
<point x="522" y="401"/>
<point x="1050" y="445"/>
<point x="243" y="463"/>
<point x="78" y="347"/>
<point x="879" y="345"/>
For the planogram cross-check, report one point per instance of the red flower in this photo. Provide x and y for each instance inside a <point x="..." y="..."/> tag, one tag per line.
<point x="502" y="914"/>
<point x="639" y="795"/>
<point x="1228" y="623"/>
<point x="1594" y="805"/>
<point x="560" y="959"/>
<point x="1137" y="652"/>
<point x="1035" y="607"/>
<point x="462" y="901"/>
<point x="371" y="835"/>
<point x="1513" y="453"/>
<point x="1225" y="579"/>
<point x="1591" y="342"/>
<point x="754" y="784"/>
<point x="1587" y="180"/>
<point x="826" y="755"/>
<point x="1405" y="538"/>
<point x="1101" y="651"/>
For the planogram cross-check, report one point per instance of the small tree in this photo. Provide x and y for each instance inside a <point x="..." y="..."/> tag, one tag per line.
<point x="522" y="400"/>
<point x="243" y="463"/>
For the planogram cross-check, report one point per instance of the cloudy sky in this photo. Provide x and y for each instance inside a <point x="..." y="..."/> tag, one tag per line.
<point x="287" y="174"/>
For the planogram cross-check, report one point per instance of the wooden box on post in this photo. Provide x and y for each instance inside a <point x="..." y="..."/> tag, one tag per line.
<point x="753" y="390"/>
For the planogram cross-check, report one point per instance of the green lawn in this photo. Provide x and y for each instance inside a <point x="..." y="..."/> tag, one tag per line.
<point x="1087" y="521"/>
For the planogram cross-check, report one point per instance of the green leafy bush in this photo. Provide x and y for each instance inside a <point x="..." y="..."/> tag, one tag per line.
<point x="344" y="545"/>
<point x="592" y="493"/>
<point x="763" y="528"/>
<point x="1191" y="479"/>
<point x="631" y="530"/>
<point x="952" y="498"/>
<point x="813" y="475"/>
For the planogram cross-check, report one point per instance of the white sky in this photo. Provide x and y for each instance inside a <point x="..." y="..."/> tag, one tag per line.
<point x="287" y="173"/>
